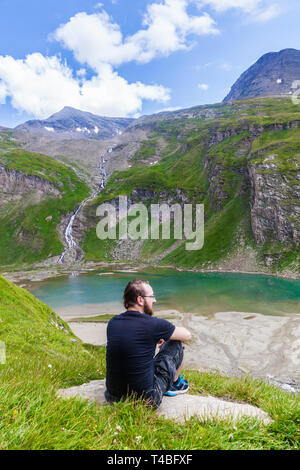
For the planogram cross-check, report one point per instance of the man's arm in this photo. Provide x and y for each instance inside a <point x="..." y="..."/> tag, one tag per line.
<point x="181" y="334"/>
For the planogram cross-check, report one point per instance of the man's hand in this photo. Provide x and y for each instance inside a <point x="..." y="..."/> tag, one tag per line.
<point x="160" y="343"/>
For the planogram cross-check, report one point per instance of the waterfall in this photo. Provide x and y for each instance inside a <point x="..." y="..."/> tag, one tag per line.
<point x="102" y="172"/>
<point x="70" y="242"/>
<point x="69" y="232"/>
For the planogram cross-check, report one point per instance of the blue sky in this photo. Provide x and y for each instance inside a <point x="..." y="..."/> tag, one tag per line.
<point x="127" y="58"/>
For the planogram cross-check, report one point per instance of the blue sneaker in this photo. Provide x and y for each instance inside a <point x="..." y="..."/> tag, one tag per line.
<point x="178" y="387"/>
<point x="180" y="378"/>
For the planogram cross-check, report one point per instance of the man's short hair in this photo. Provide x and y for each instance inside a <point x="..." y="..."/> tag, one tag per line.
<point x="132" y="291"/>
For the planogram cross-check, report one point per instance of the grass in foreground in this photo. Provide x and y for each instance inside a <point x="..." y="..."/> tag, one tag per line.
<point x="42" y="356"/>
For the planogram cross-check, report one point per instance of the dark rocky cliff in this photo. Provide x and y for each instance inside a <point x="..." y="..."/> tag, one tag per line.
<point x="15" y="183"/>
<point x="274" y="174"/>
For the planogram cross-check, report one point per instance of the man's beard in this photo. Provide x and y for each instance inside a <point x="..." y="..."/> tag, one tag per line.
<point x="148" y="310"/>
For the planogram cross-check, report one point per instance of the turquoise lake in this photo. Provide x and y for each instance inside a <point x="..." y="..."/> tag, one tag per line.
<point x="202" y="293"/>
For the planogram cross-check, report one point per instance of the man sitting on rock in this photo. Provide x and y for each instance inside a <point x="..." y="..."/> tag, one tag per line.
<point x="132" y="337"/>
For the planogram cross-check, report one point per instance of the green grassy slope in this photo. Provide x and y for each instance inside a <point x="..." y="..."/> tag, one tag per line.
<point x="25" y="234"/>
<point x="207" y="171"/>
<point x="7" y="141"/>
<point x="42" y="356"/>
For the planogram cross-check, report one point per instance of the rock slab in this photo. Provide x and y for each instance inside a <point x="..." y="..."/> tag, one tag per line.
<point x="180" y="407"/>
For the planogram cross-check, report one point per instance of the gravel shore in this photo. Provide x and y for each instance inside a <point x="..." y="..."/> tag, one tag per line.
<point x="232" y="343"/>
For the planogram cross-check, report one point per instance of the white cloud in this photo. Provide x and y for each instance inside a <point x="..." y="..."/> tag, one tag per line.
<point x="114" y="96"/>
<point x="257" y="10"/>
<point x="3" y="92"/>
<point x="168" y="27"/>
<point x="170" y="109"/>
<point x="96" y="40"/>
<point x="203" y="86"/>
<point x="37" y="84"/>
<point x="267" y="14"/>
<point x="42" y="85"/>
<point x="224" y="5"/>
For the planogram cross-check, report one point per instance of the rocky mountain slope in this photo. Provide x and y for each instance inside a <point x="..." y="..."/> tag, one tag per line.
<point x="274" y="74"/>
<point x="240" y="159"/>
<point x="84" y="155"/>
<point x="71" y="123"/>
<point x="81" y="150"/>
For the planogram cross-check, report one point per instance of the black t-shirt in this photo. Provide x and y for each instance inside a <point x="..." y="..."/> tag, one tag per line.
<point x="131" y="341"/>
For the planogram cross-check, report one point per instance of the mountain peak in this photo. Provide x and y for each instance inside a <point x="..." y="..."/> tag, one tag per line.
<point x="70" y="123"/>
<point x="67" y="112"/>
<point x="272" y="75"/>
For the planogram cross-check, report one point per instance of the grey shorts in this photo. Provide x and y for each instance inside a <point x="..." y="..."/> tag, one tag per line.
<point x="166" y="364"/>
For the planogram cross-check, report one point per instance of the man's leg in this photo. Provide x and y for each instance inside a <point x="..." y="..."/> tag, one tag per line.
<point x="167" y="364"/>
<point x="178" y="372"/>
